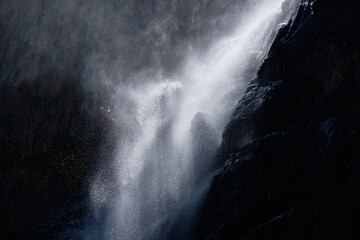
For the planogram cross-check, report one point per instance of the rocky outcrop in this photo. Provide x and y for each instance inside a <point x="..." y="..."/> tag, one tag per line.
<point x="291" y="149"/>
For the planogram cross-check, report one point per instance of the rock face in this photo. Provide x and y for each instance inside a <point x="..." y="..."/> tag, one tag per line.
<point x="291" y="150"/>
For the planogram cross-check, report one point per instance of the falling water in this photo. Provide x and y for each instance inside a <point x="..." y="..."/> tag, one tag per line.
<point x="171" y="127"/>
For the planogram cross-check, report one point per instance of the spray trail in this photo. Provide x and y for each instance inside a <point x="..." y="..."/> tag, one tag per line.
<point x="174" y="128"/>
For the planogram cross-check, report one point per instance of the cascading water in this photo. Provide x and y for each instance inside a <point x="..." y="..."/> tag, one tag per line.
<point x="171" y="128"/>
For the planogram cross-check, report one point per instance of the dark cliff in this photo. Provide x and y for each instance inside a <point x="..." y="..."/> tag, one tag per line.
<point x="292" y="148"/>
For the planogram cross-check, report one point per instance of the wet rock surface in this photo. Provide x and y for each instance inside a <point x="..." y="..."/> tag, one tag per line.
<point x="291" y="149"/>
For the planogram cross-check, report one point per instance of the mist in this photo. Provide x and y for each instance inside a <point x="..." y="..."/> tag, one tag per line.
<point x="171" y="108"/>
<point x="169" y="74"/>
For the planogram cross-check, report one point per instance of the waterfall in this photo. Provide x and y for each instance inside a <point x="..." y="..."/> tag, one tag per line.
<point x="170" y="124"/>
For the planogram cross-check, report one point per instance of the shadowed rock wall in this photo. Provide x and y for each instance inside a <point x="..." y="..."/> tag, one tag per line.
<point x="291" y="149"/>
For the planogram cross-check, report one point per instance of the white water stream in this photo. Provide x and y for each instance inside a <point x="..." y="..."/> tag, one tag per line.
<point x="164" y="159"/>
